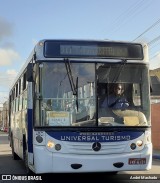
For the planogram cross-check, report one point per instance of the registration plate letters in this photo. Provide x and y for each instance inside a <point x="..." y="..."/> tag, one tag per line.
<point x="137" y="161"/>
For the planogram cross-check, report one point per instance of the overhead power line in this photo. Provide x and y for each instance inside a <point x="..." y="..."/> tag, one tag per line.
<point x="148" y="29"/>
<point x="117" y="22"/>
<point x="154" y="40"/>
<point x="154" y="56"/>
<point x="128" y="15"/>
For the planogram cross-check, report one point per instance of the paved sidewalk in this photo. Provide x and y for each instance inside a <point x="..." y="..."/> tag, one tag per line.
<point x="5" y="149"/>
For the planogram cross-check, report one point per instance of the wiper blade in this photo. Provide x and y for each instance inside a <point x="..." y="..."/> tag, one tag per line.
<point x="70" y="76"/>
<point x="77" y="93"/>
<point x="72" y="84"/>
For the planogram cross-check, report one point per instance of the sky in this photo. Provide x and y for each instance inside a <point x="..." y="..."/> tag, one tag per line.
<point x="24" y="23"/>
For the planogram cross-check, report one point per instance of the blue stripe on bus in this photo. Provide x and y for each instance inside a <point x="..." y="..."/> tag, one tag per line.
<point x="95" y="136"/>
<point x="30" y="130"/>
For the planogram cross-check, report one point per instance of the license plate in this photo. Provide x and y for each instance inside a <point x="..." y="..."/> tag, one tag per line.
<point x="137" y="161"/>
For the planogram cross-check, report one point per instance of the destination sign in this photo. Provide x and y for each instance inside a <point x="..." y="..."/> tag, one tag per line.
<point x="92" y="49"/>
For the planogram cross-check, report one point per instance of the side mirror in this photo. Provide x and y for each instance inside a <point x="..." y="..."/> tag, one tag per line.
<point x="29" y="73"/>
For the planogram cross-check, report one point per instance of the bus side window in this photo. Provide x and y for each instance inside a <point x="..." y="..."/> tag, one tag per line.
<point x="14" y="105"/>
<point x="12" y="108"/>
<point x="20" y="103"/>
<point x="25" y="100"/>
<point x="24" y="81"/>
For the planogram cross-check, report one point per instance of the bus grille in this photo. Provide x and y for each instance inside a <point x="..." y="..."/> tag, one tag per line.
<point x="86" y="148"/>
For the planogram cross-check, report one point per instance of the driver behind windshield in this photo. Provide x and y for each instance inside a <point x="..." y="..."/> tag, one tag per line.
<point x="119" y="105"/>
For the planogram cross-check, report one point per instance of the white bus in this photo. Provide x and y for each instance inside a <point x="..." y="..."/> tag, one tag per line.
<point x="57" y="122"/>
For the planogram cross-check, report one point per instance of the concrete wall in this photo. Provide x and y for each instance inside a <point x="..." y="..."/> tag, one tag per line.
<point x="155" y="119"/>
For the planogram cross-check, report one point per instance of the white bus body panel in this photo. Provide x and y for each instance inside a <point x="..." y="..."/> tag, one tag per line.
<point x="47" y="162"/>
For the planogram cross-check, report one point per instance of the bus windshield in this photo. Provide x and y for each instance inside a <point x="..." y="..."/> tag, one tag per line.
<point x="60" y="105"/>
<point x="77" y="94"/>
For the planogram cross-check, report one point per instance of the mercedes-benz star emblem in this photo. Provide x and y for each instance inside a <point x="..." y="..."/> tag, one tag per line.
<point x="96" y="146"/>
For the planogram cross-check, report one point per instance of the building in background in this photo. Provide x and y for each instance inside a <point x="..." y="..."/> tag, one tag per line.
<point x="155" y="89"/>
<point x="1" y="116"/>
<point x="155" y="107"/>
<point x="5" y="114"/>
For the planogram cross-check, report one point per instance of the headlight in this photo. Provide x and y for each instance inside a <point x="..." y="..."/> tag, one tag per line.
<point x="139" y="143"/>
<point x="50" y="144"/>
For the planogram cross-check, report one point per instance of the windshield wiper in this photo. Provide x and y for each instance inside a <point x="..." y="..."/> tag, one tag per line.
<point x="72" y="84"/>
